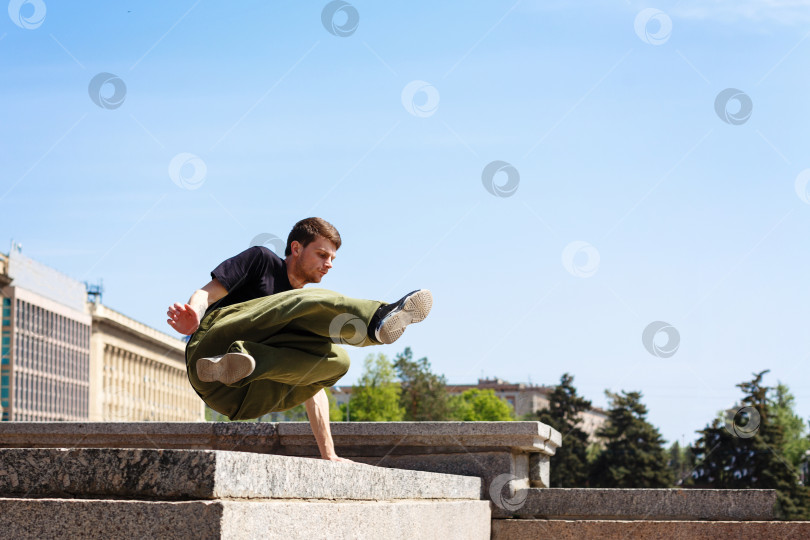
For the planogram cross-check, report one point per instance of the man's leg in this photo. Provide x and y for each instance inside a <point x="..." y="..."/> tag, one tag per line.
<point x="285" y="376"/>
<point x="319" y="312"/>
<point x="289" y="338"/>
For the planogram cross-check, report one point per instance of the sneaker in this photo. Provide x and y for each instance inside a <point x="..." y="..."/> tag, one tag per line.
<point x="390" y="320"/>
<point x="226" y="368"/>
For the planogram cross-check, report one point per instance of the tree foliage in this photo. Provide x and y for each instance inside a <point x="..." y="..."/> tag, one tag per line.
<point x="424" y="394"/>
<point x="796" y="443"/>
<point x="376" y="396"/>
<point x="477" y="405"/>
<point x="747" y="451"/>
<point x="681" y="462"/>
<point x="335" y="412"/>
<point x="570" y="462"/>
<point x="633" y="456"/>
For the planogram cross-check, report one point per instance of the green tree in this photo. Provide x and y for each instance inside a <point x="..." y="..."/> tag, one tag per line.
<point x="746" y="452"/>
<point x="424" y="393"/>
<point x="335" y="412"/>
<point x="477" y="405"/>
<point x="796" y="442"/>
<point x="681" y="462"/>
<point x="376" y="396"/>
<point x="634" y="455"/>
<point x="563" y="414"/>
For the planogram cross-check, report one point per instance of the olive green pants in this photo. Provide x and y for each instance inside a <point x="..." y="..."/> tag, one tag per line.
<point x="293" y="336"/>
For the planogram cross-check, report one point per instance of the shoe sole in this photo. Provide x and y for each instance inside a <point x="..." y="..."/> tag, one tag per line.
<point x="414" y="310"/>
<point x="228" y="369"/>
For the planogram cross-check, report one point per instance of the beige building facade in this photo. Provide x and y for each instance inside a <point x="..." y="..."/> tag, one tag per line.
<point x="45" y="359"/>
<point x="137" y="373"/>
<point x="64" y="358"/>
<point x="531" y="398"/>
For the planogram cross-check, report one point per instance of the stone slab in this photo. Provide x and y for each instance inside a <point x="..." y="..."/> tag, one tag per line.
<point x="237" y="520"/>
<point x="384" y="438"/>
<point x="213" y="474"/>
<point x="539" y="470"/>
<point x="290" y="438"/>
<point x="533" y="529"/>
<point x="640" y="504"/>
<point x="258" y="437"/>
<point x="485" y="465"/>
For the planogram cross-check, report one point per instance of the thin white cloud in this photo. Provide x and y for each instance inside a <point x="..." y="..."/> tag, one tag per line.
<point x="782" y="12"/>
<point x="785" y="12"/>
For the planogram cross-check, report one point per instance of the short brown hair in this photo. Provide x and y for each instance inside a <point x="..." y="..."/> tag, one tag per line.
<point x="306" y="230"/>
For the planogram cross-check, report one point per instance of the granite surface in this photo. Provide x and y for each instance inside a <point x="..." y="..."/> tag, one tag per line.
<point x="485" y="465"/>
<point x="539" y="470"/>
<point x="292" y="438"/>
<point x="237" y="520"/>
<point x="533" y="529"/>
<point x="438" y="437"/>
<point x="210" y="474"/>
<point x="645" y="504"/>
<point x="261" y="437"/>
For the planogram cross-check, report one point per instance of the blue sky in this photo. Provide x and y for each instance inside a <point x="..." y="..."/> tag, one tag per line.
<point x="605" y="111"/>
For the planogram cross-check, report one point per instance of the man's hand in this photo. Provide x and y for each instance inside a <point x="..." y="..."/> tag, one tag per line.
<point x="183" y="318"/>
<point x="336" y="458"/>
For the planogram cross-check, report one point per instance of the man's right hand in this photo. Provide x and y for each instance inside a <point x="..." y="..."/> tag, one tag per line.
<point x="183" y="318"/>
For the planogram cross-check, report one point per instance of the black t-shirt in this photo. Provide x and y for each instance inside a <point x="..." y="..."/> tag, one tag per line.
<point x="254" y="273"/>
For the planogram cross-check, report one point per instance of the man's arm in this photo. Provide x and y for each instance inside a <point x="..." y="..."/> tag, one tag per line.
<point x="318" y="413"/>
<point x="185" y="318"/>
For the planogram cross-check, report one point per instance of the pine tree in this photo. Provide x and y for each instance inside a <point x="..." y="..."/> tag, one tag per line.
<point x="563" y="414"/>
<point x="796" y="443"/>
<point x="681" y="462"/>
<point x="424" y="394"/>
<point x="634" y="456"/>
<point x="746" y="452"/>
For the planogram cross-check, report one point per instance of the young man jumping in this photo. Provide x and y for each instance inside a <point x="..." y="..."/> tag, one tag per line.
<point x="261" y="343"/>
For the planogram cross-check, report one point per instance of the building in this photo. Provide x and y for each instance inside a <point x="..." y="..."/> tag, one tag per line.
<point x="137" y="373"/>
<point x="528" y="398"/>
<point x="45" y="343"/>
<point x="65" y="358"/>
<point x="524" y="398"/>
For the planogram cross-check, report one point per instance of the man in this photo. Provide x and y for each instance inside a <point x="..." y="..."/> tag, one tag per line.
<point x="260" y="343"/>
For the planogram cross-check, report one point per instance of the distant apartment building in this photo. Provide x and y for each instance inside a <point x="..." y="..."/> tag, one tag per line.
<point x="64" y="358"/>
<point x="528" y="398"/>
<point x="137" y="373"/>
<point x="524" y="398"/>
<point x="45" y="343"/>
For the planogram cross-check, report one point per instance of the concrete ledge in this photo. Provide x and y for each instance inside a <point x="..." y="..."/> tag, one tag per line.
<point x="483" y="449"/>
<point x="642" y="504"/>
<point x="484" y="465"/>
<point x="210" y="474"/>
<point x="242" y="436"/>
<point x="531" y="529"/>
<point x="384" y="438"/>
<point x="289" y="438"/>
<point x="128" y="520"/>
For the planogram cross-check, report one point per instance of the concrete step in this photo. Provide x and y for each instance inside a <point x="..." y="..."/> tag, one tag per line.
<point x="243" y="519"/>
<point x="483" y="449"/>
<point x="637" y="504"/>
<point x="213" y="474"/>
<point x="532" y="529"/>
<point x="291" y="438"/>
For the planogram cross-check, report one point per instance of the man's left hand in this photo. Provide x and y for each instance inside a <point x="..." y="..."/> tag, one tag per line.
<point x="337" y="458"/>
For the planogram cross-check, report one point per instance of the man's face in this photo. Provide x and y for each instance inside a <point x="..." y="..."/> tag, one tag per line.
<point x="315" y="260"/>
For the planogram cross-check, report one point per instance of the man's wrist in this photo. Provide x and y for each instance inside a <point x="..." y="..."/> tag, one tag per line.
<point x="199" y="308"/>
